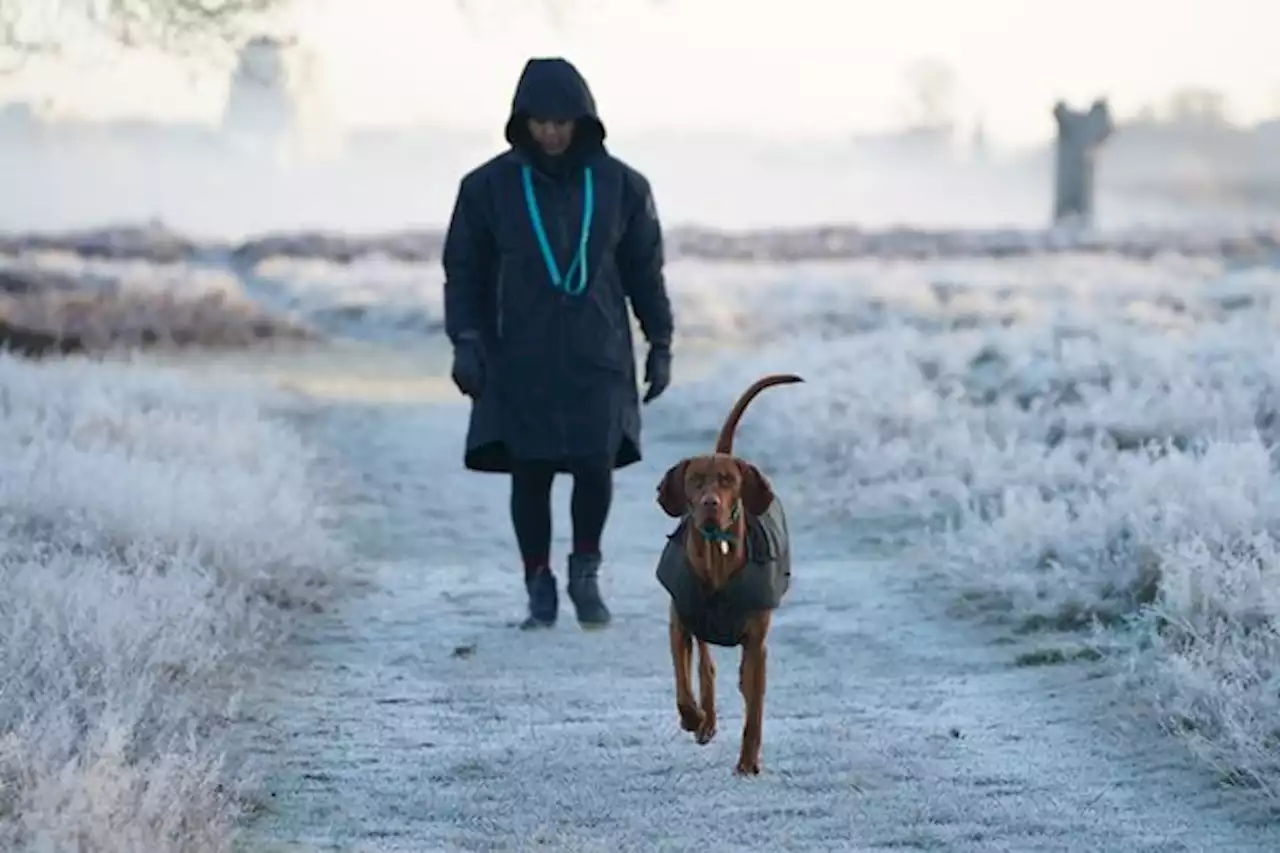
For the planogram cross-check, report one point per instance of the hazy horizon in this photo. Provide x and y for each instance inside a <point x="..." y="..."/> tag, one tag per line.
<point x="783" y="92"/>
<point x="698" y="65"/>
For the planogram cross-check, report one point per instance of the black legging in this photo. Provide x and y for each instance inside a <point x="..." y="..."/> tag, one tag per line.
<point x="531" y="506"/>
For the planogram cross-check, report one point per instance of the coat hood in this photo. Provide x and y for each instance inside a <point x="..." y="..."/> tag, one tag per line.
<point x="552" y="88"/>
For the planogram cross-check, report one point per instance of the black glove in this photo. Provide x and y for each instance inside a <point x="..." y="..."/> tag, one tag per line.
<point x="657" y="371"/>
<point x="468" y="365"/>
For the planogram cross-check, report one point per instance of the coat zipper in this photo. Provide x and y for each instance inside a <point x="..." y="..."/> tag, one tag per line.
<point x="563" y="348"/>
<point x="502" y="295"/>
<point x="557" y="197"/>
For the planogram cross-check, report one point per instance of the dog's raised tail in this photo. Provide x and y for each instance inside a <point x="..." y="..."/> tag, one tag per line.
<point x="724" y="442"/>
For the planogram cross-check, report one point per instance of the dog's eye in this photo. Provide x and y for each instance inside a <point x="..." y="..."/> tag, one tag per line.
<point x="726" y="479"/>
<point x="697" y="480"/>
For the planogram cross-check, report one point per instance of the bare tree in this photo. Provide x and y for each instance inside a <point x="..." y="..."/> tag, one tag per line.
<point x="932" y="88"/>
<point x="177" y="26"/>
<point x="1198" y="107"/>
<point x="56" y="26"/>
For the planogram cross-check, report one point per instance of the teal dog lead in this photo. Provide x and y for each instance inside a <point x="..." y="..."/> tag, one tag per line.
<point x="579" y="263"/>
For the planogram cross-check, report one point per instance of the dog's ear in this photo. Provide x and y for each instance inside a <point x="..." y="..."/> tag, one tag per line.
<point x="671" y="496"/>
<point x="757" y="494"/>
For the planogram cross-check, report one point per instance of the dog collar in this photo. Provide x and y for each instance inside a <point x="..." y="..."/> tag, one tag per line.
<point x="711" y="533"/>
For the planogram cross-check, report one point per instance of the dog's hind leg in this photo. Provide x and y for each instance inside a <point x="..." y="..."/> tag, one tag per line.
<point x="706" y="693"/>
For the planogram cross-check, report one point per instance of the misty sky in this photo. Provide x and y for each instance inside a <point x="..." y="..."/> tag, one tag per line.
<point x="811" y="68"/>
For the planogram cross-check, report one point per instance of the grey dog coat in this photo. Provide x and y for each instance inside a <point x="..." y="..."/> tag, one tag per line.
<point x="720" y="618"/>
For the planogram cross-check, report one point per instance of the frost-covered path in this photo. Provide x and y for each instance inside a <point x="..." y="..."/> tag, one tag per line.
<point x="414" y="718"/>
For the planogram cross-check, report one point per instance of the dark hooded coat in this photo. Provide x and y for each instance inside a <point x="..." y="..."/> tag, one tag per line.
<point x="560" y="368"/>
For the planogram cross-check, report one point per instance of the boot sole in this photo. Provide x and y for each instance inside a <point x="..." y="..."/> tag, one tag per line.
<point x="528" y="625"/>
<point x="590" y="625"/>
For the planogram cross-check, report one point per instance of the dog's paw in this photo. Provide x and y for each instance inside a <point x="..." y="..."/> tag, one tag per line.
<point x="747" y="766"/>
<point x="706" y="732"/>
<point x="691" y="718"/>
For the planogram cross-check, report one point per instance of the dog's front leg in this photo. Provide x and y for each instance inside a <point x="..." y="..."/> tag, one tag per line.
<point x="751" y="681"/>
<point x="691" y="718"/>
<point x="706" y="693"/>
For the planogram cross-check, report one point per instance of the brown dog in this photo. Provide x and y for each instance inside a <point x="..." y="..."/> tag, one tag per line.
<point x="726" y="567"/>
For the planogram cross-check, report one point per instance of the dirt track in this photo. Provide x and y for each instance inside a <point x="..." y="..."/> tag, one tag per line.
<point x="415" y="718"/>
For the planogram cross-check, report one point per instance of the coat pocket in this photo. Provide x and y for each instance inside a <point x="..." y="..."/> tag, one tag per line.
<point x="598" y="334"/>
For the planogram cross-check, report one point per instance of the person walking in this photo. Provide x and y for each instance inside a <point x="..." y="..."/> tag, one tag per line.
<point x="548" y="244"/>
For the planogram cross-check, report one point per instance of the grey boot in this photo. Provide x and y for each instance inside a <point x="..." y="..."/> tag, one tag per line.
<point x="544" y="601"/>
<point x="584" y="591"/>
